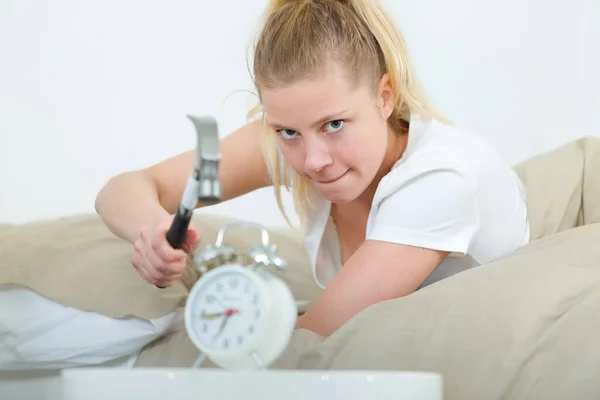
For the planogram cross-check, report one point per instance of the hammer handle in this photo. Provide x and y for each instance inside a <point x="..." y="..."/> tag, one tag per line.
<point x="177" y="232"/>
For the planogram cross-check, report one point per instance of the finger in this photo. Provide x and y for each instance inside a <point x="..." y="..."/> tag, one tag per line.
<point x="150" y="269"/>
<point x="193" y="239"/>
<point x="143" y="255"/>
<point x="145" y="261"/>
<point x="171" y="280"/>
<point x="167" y="267"/>
<point x="158" y="264"/>
<point x="171" y="269"/>
<point x="138" y="253"/>
<point x="164" y="274"/>
<point x="151" y="238"/>
<point x="161" y="246"/>
<point x="176" y="272"/>
<point x="188" y="247"/>
<point x="138" y="246"/>
<point x="144" y="274"/>
<point x="136" y="261"/>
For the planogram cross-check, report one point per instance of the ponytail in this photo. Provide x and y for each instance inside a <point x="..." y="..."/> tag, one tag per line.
<point x="275" y="5"/>
<point x="410" y="96"/>
<point x="359" y="34"/>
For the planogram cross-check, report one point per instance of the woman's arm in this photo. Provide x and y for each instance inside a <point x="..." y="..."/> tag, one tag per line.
<point x="132" y="200"/>
<point x="376" y="272"/>
<point x="419" y="220"/>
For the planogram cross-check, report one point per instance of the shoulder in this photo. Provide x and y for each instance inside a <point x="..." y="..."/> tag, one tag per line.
<point x="437" y="157"/>
<point x="429" y="198"/>
<point x="434" y="207"/>
<point x="440" y="156"/>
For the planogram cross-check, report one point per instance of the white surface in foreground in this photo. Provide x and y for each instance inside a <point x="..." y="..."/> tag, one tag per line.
<point x="181" y="384"/>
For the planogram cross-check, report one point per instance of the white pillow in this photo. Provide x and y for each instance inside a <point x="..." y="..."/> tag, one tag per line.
<point x="38" y="333"/>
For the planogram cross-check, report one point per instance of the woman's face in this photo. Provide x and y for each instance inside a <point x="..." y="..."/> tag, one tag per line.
<point x="333" y="134"/>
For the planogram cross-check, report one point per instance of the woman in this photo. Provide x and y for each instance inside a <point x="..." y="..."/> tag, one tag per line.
<point x="391" y="196"/>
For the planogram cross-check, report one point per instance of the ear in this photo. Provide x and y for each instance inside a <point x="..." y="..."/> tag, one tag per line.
<point x="386" y="100"/>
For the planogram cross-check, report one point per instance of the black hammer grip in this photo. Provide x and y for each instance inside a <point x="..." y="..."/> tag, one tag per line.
<point x="177" y="232"/>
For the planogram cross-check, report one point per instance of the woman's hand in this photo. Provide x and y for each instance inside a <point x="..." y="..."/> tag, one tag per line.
<point x="154" y="258"/>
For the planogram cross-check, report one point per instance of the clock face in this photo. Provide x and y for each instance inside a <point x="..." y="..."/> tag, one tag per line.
<point x="226" y="311"/>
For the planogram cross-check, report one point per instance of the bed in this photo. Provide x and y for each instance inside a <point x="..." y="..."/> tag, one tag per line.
<point x="525" y="326"/>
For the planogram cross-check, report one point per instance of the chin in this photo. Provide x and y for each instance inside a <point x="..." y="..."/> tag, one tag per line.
<point x="343" y="193"/>
<point x="339" y="198"/>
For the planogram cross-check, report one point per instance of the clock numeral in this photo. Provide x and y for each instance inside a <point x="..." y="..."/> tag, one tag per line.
<point x="255" y="299"/>
<point x="219" y="287"/>
<point x="226" y="343"/>
<point x="240" y="339"/>
<point x="204" y="327"/>
<point x="233" y="282"/>
<point x="251" y="329"/>
<point x="257" y="314"/>
<point x="210" y="298"/>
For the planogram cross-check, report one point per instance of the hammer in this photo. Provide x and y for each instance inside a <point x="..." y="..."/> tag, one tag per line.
<point x="203" y="183"/>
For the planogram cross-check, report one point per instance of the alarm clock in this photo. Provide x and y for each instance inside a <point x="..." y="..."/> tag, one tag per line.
<point x="239" y="313"/>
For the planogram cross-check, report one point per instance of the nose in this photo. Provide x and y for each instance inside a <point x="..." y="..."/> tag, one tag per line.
<point x="317" y="155"/>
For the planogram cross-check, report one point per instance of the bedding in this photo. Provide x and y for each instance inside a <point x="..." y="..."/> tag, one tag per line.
<point x="63" y="279"/>
<point x="38" y="333"/>
<point x="522" y="327"/>
<point x="525" y="326"/>
<point x="563" y="187"/>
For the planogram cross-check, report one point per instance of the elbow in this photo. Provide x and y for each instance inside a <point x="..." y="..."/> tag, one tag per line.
<point x="103" y="194"/>
<point x="99" y="202"/>
<point x="124" y="186"/>
<point x="107" y="192"/>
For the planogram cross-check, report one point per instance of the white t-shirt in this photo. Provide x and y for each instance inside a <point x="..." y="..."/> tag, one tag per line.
<point x="450" y="191"/>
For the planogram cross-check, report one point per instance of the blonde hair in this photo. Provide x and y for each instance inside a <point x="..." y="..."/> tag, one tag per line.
<point x="300" y="37"/>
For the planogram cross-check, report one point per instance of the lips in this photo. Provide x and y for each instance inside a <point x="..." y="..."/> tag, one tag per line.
<point x="331" y="180"/>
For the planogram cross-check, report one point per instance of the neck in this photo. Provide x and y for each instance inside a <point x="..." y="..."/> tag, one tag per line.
<point x="397" y="143"/>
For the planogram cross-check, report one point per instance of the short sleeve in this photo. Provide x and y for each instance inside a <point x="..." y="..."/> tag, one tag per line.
<point x="435" y="208"/>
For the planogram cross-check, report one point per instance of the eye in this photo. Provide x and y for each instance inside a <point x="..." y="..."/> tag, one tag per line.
<point x="334" y="126"/>
<point x="287" y="134"/>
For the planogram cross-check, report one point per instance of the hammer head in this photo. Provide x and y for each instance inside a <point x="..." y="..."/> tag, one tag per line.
<point x="206" y="168"/>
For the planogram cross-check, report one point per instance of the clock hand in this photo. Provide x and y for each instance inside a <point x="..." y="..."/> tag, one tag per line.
<point x="227" y="313"/>
<point x="223" y="325"/>
<point x="211" y="316"/>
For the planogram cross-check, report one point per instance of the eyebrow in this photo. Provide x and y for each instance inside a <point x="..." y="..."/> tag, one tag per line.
<point x="319" y="122"/>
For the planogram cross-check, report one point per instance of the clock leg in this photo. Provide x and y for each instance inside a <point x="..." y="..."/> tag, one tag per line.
<point x="259" y="362"/>
<point x="199" y="360"/>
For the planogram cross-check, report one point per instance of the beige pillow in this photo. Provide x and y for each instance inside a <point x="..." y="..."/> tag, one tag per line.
<point x="526" y="326"/>
<point x="76" y="261"/>
<point x="175" y="350"/>
<point x="554" y="182"/>
<point x="4" y="227"/>
<point x="563" y="187"/>
<point x="591" y="180"/>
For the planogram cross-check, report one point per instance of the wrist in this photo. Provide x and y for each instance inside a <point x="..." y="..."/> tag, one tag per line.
<point x="151" y="219"/>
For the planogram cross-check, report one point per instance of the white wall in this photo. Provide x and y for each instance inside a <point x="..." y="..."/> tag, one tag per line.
<point x="82" y="83"/>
